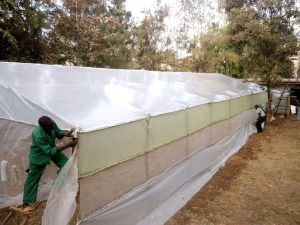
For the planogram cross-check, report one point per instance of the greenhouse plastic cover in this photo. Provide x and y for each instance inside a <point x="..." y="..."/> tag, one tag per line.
<point x="61" y="204"/>
<point x="159" y="198"/>
<point x="93" y="98"/>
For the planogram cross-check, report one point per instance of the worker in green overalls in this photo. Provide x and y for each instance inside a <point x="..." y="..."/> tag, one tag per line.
<point x="42" y="151"/>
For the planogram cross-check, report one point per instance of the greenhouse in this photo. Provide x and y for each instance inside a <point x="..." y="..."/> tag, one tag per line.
<point x="147" y="140"/>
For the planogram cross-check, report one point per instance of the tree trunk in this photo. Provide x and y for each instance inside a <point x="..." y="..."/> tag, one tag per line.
<point x="77" y="34"/>
<point x="298" y="67"/>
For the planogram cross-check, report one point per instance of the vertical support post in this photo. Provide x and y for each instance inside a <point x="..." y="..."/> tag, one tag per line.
<point x="286" y="106"/>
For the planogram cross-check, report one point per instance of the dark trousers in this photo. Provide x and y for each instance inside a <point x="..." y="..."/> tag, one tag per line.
<point x="259" y="121"/>
<point x="35" y="172"/>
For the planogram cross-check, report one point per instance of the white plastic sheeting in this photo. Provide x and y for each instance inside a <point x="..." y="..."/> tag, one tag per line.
<point x="15" y="141"/>
<point x="61" y="204"/>
<point x="9" y="200"/>
<point x="159" y="198"/>
<point x="165" y="104"/>
<point x="93" y="98"/>
<point x="117" y="180"/>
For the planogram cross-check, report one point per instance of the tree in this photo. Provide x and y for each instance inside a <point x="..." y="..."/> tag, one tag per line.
<point x="21" y="35"/>
<point x="262" y="34"/>
<point x="212" y="54"/>
<point x="114" y="42"/>
<point x="151" y="48"/>
<point x="192" y="19"/>
<point x="91" y="33"/>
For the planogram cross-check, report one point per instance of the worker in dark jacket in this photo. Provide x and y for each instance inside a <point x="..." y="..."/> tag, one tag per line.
<point x="42" y="151"/>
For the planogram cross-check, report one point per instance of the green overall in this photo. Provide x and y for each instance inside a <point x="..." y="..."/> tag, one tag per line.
<point x="42" y="152"/>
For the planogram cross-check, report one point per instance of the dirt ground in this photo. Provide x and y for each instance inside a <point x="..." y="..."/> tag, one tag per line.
<point x="260" y="185"/>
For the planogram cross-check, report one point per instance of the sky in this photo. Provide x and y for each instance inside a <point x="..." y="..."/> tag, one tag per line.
<point x="136" y="6"/>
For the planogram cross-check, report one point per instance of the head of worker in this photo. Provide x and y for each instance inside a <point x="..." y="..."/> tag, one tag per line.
<point x="46" y="123"/>
<point x="256" y="106"/>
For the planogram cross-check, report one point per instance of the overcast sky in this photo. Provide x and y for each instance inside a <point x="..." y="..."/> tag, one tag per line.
<point x="136" y="6"/>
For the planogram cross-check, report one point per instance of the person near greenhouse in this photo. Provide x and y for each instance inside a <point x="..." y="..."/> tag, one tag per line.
<point x="261" y="118"/>
<point x="42" y="151"/>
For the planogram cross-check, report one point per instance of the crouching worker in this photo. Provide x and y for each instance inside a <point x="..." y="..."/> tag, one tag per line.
<point x="42" y="151"/>
<point x="261" y="118"/>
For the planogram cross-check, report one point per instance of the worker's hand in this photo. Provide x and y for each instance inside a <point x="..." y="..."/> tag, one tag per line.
<point x="73" y="142"/>
<point x="68" y="133"/>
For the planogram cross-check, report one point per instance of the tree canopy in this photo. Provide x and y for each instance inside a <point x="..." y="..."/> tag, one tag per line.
<point x="256" y="41"/>
<point x="97" y="33"/>
<point x="21" y="33"/>
<point x="262" y="34"/>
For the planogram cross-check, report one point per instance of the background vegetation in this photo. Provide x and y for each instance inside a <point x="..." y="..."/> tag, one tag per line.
<point x="256" y="40"/>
